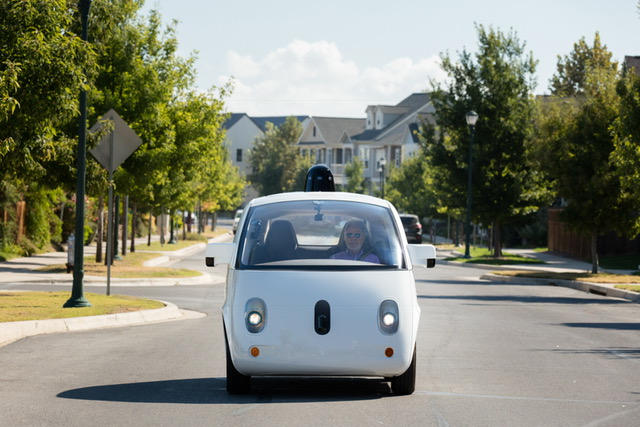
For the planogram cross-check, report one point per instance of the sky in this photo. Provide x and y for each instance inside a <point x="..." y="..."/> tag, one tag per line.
<point x="333" y="58"/>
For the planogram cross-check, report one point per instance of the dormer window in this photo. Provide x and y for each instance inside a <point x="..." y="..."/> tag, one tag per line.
<point x="314" y="131"/>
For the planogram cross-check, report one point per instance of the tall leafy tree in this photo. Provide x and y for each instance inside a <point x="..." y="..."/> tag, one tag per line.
<point x="406" y="188"/>
<point x="577" y="150"/>
<point x="275" y="158"/>
<point x="43" y="67"/>
<point x="496" y="82"/>
<point x="626" y="132"/>
<point x="572" y="69"/>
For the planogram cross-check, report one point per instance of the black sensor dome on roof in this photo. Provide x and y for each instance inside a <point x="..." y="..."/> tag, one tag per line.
<point x="319" y="178"/>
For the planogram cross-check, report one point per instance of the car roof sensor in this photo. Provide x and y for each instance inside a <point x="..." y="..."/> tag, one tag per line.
<point x="319" y="178"/>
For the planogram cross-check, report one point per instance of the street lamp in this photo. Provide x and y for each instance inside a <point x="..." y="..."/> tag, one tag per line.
<point x="381" y="164"/>
<point x="77" y="293"/>
<point x="472" y="118"/>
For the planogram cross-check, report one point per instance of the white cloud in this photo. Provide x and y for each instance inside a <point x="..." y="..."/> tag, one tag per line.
<point x="306" y="78"/>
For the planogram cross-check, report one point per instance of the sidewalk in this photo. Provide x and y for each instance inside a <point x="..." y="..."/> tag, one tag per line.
<point x="19" y="271"/>
<point x="552" y="263"/>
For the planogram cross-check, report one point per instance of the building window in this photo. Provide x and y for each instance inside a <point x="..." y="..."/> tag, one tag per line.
<point x="239" y="155"/>
<point x="314" y="131"/>
<point x="364" y="155"/>
<point x="338" y="160"/>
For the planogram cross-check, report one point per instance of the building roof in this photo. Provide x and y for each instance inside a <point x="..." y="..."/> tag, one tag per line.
<point x="232" y="120"/>
<point x="632" y="62"/>
<point x="333" y="129"/>
<point x="261" y="122"/>
<point x="277" y="121"/>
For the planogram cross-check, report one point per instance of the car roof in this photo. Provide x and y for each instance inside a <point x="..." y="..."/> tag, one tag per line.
<point x="318" y="195"/>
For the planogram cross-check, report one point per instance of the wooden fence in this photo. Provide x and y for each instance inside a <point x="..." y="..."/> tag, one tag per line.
<point x="567" y="242"/>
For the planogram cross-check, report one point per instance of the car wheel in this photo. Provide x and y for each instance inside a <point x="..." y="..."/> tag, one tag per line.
<point x="237" y="383"/>
<point x="405" y="383"/>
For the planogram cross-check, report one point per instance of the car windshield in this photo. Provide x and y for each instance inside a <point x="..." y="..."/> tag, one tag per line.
<point x="319" y="234"/>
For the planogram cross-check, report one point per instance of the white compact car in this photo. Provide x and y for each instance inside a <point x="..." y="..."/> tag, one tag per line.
<point x="320" y="284"/>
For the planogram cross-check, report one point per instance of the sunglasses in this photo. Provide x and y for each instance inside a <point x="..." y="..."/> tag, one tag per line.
<point x="356" y="235"/>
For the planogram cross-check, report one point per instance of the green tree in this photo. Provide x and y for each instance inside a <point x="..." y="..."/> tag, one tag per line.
<point x="407" y="190"/>
<point x="354" y="172"/>
<point x="498" y="85"/>
<point x="43" y="66"/>
<point x="572" y="69"/>
<point x="275" y="158"/>
<point x="626" y="133"/>
<point x="577" y="153"/>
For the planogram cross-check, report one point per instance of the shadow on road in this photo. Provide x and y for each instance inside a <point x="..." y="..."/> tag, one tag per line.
<point x="526" y="299"/>
<point x="213" y="391"/>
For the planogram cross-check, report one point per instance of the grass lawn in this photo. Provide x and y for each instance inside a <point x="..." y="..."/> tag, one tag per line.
<point x="483" y="256"/>
<point x="18" y="306"/>
<point x="129" y="267"/>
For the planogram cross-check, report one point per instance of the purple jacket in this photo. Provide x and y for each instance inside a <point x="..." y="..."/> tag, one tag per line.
<point x="348" y="256"/>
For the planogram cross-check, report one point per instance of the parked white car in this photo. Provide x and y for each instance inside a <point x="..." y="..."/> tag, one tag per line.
<point x="320" y="284"/>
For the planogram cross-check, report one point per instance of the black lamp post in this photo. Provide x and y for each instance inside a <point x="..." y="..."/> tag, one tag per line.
<point x="381" y="164"/>
<point x="472" y="118"/>
<point x="77" y="293"/>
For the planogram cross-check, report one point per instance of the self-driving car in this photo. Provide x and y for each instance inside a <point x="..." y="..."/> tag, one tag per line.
<point x="320" y="284"/>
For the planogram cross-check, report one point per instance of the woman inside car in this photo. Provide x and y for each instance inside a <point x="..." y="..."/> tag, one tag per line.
<point x="357" y="243"/>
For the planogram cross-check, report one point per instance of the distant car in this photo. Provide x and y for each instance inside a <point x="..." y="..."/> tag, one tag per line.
<point x="308" y="294"/>
<point x="412" y="227"/>
<point x="236" y="220"/>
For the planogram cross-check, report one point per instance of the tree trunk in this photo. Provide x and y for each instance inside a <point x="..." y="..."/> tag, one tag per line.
<point x="100" y="230"/>
<point x="149" y="235"/>
<point x="134" y="215"/>
<point x="497" y="242"/>
<point x="594" y="253"/>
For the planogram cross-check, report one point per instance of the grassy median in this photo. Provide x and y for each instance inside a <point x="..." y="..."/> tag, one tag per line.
<point x="18" y="306"/>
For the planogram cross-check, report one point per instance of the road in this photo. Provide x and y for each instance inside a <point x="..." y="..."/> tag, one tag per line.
<point x="488" y="354"/>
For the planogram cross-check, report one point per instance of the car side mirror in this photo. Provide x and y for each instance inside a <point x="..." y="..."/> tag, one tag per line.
<point x="219" y="253"/>
<point x="423" y="253"/>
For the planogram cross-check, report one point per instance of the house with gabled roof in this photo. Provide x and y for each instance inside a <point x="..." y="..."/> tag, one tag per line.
<point x="241" y="133"/>
<point x="389" y="132"/>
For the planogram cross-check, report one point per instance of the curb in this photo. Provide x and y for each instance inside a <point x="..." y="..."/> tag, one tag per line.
<point x="14" y="331"/>
<point x="588" y="287"/>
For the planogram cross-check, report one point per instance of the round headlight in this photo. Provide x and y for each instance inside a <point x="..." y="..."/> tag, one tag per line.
<point x="388" y="319"/>
<point x="254" y="318"/>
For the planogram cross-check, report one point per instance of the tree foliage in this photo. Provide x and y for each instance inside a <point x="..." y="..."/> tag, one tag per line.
<point x="408" y="190"/>
<point x="275" y="158"/>
<point x="497" y="83"/>
<point x="572" y="70"/>
<point x="576" y="149"/>
<point x="130" y="64"/>
<point x="43" y="65"/>
<point x="354" y="172"/>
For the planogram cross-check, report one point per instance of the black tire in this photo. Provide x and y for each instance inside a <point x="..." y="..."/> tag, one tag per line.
<point x="237" y="383"/>
<point x="405" y="383"/>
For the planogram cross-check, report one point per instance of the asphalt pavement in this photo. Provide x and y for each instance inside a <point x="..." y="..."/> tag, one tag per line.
<point x="21" y="271"/>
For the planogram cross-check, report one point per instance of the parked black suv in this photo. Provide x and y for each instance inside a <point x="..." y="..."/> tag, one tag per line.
<point x="412" y="227"/>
